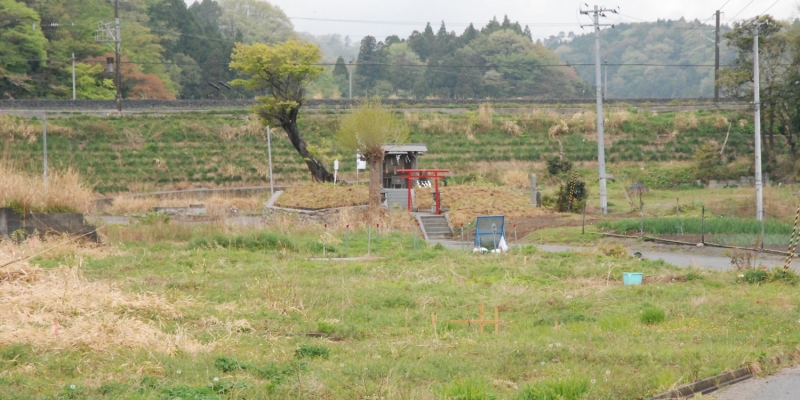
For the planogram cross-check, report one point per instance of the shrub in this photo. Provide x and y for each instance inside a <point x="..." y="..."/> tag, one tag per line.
<point x="755" y="275"/>
<point x="557" y="166"/>
<point x="652" y="315"/>
<point x="571" y="196"/>
<point x="570" y="389"/>
<point x="311" y="351"/>
<point x="226" y="364"/>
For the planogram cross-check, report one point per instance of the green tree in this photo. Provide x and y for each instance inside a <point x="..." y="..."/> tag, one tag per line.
<point x="258" y="21"/>
<point x="282" y="71"/>
<point x="91" y="84"/>
<point x="777" y="64"/>
<point x="19" y="44"/>
<point x="341" y="76"/>
<point x="364" y="131"/>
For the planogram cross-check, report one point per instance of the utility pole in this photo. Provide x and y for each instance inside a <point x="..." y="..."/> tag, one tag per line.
<point x="350" y="97"/>
<point x="105" y="33"/>
<point x="601" y="156"/>
<point x="605" y="82"/>
<point x="757" y="123"/>
<point x="45" y="174"/>
<point x="73" y="76"/>
<point x="716" y="63"/>
<point x="118" y="41"/>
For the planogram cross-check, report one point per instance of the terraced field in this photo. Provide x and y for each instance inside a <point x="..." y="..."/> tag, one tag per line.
<point x="137" y="153"/>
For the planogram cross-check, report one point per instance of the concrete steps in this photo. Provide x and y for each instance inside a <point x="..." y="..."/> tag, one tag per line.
<point x="436" y="227"/>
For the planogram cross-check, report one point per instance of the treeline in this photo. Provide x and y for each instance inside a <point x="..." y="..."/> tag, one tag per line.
<point x="498" y="61"/>
<point x="169" y="50"/>
<point x="663" y="44"/>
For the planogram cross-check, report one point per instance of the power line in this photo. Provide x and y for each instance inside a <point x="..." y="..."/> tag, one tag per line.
<point x="195" y="36"/>
<point x="740" y="11"/>
<point x="765" y="11"/>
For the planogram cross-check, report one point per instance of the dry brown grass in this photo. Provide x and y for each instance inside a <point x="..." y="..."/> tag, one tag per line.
<point x="60" y="309"/>
<point x="615" y="120"/>
<point x="558" y="129"/>
<point x="485" y="113"/>
<point x="12" y="128"/>
<point x="511" y="128"/>
<point x="65" y="191"/>
<point x="685" y="120"/>
<point x="251" y="128"/>
<point x="469" y="201"/>
<point x="215" y="205"/>
<point x="515" y="178"/>
<point x="323" y="195"/>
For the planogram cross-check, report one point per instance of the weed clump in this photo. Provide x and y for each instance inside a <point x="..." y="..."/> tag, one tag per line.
<point x="263" y="240"/>
<point x="470" y="389"/>
<point x="571" y="389"/>
<point x="652" y="316"/>
<point x="311" y="351"/>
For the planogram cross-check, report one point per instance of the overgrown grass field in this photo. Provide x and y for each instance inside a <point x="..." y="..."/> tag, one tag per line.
<point x="276" y="324"/>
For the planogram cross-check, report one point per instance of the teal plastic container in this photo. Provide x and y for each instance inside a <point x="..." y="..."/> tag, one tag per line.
<point x="632" y="278"/>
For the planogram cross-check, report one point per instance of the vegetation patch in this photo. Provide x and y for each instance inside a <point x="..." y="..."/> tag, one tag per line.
<point x="323" y="195"/>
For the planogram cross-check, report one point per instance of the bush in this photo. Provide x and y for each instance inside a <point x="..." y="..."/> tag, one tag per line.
<point x="652" y="315"/>
<point x="226" y="364"/>
<point x="571" y="389"/>
<point x="755" y="275"/>
<point x="557" y="166"/>
<point x="571" y="196"/>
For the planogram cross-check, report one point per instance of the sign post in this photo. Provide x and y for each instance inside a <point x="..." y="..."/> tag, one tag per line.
<point x="335" y="170"/>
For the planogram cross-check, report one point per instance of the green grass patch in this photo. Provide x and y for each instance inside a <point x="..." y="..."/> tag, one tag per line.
<point x="694" y="226"/>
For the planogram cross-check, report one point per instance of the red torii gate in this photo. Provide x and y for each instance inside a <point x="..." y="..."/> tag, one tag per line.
<point x="435" y="174"/>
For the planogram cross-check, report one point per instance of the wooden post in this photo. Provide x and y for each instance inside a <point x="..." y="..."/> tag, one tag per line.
<point x="496" y="320"/>
<point x="433" y="322"/>
<point x="703" y="226"/>
<point x="583" y="226"/>
<point x="481" y="318"/>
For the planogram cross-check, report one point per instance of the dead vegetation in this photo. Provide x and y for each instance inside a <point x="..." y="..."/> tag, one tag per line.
<point x="60" y="309"/>
<point x="468" y="201"/>
<point x="319" y="196"/>
<point x="65" y="191"/>
<point x="215" y="205"/>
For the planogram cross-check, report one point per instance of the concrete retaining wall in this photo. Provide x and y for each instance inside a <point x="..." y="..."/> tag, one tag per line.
<point x="324" y="216"/>
<point x="744" y="181"/>
<point x="72" y="223"/>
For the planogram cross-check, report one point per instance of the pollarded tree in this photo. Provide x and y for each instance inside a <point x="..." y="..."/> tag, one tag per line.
<point x="365" y="130"/>
<point x="282" y="71"/>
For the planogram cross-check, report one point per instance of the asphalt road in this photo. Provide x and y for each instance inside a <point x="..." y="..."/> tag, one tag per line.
<point x="784" y="385"/>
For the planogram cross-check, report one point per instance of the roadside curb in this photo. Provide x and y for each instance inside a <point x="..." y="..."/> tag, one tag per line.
<point x="717" y="382"/>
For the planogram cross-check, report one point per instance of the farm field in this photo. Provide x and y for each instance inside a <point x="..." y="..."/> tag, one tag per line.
<point x="146" y="153"/>
<point x="248" y="314"/>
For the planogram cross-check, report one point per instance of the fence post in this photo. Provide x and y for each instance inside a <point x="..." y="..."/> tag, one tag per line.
<point x="703" y="226"/>
<point x="377" y="236"/>
<point x="346" y="238"/>
<point x="462" y="237"/>
<point x="583" y="224"/>
<point x="516" y="242"/>
<point x="677" y="207"/>
<point x="369" y="238"/>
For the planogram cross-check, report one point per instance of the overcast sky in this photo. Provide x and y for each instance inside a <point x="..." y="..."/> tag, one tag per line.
<point x="545" y="17"/>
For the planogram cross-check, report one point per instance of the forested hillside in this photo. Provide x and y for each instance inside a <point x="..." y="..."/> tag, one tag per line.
<point x="665" y="43"/>
<point x="499" y="60"/>
<point x="169" y="50"/>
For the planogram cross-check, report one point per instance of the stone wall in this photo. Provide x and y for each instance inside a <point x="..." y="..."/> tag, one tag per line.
<point x="325" y="216"/>
<point x="72" y="223"/>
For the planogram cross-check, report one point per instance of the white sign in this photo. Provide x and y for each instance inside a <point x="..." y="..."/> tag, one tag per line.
<point x="361" y="164"/>
<point x="335" y="164"/>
